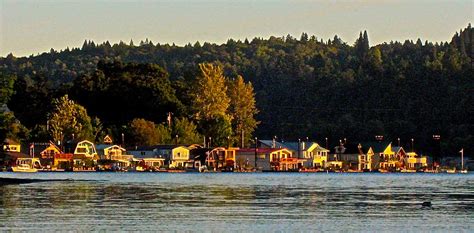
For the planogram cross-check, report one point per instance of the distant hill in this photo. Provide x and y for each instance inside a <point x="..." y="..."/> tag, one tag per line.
<point x="304" y="87"/>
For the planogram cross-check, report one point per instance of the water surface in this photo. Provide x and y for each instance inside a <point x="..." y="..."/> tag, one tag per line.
<point x="262" y="202"/>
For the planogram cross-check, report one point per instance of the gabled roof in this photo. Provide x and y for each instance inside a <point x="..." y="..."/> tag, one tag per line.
<point x="269" y="143"/>
<point x="105" y="146"/>
<point x="397" y="149"/>
<point x="290" y="145"/>
<point x="377" y="147"/>
<point x="108" y="139"/>
<point x="40" y="147"/>
<point x="321" y="149"/>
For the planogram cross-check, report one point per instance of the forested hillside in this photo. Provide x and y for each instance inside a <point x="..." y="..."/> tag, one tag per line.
<point x="304" y="87"/>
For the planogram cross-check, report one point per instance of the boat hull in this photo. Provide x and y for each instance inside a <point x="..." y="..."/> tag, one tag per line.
<point x="22" y="169"/>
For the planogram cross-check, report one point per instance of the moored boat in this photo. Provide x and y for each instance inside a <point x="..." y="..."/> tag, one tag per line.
<point x="451" y="171"/>
<point x="24" y="168"/>
<point x="26" y="165"/>
<point x="407" y="171"/>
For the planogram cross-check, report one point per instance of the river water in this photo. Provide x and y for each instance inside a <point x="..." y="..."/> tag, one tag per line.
<point x="239" y="202"/>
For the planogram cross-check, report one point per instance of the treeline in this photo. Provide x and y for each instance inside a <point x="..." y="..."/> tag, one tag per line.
<point x="304" y="87"/>
<point x="132" y="100"/>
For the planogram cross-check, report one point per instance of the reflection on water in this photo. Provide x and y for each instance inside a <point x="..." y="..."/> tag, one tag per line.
<point x="240" y="202"/>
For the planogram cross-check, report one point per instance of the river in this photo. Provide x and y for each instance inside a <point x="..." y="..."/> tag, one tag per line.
<point x="239" y="202"/>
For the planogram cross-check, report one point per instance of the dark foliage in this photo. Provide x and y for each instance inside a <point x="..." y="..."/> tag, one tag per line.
<point x="304" y="88"/>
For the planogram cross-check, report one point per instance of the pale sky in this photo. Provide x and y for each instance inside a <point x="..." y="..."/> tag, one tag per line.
<point x="34" y="26"/>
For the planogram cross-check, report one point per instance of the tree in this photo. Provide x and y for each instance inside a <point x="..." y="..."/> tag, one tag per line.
<point x="11" y="128"/>
<point x="374" y="60"/>
<point x="186" y="131"/>
<point x="116" y="89"/>
<point x="210" y="104"/>
<point x="68" y="118"/>
<point x="97" y="129"/>
<point x="219" y="129"/>
<point x="32" y="99"/>
<point x="146" y="133"/>
<point x="301" y="88"/>
<point x="210" y="95"/>
<point x="362" y="45"/>
<point x="242" y="109"/>
<point x="6" y="87"/>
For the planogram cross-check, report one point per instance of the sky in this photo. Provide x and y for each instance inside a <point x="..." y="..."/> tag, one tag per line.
<point x="33" y="26"/>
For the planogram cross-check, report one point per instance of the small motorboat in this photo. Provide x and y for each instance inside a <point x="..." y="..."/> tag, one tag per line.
<point x="24" y="168"/>
<point x="451" y="171"/>
<point x="26" y="165"/>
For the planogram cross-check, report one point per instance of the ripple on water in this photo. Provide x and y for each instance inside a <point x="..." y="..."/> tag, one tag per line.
<point x="246" y="202"/>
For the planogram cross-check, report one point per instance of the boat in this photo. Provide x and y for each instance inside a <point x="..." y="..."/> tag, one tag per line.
<point x="451" y="171"/>
<point x="175" y="170"/>
<point x="407" y="171"/>
<point x="26" y="165"/>
<point x="24" y="168"/>
<point x="431" y="171"/>
<point x="463" y="171"/>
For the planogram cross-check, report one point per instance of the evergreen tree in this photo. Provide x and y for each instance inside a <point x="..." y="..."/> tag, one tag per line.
<point x="462" y="46"/>
<point x="362" y="45"/>
<point x="365" y="43"/>
<point x="304" y="37"/>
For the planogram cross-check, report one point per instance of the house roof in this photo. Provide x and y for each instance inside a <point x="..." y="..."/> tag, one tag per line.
<point x="349" y="148"/>
<point x="269" y="143"/>
<point x="396" y="148"/>
<point x="14" y="155"/>
<point x="10" y="142"/>
<point x="261" y="150"/>
<point x="320" y="148"/>
<point x="105" y="146"/>
<point x="40" y="147"/>
<point x="155" y="147"/>
<point x="290" y="145"/>
<point x="377" y="147"/>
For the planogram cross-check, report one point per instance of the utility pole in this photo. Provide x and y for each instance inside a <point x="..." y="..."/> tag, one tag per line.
<point x="299" y="147"/>
<point x="256" y="144"/>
